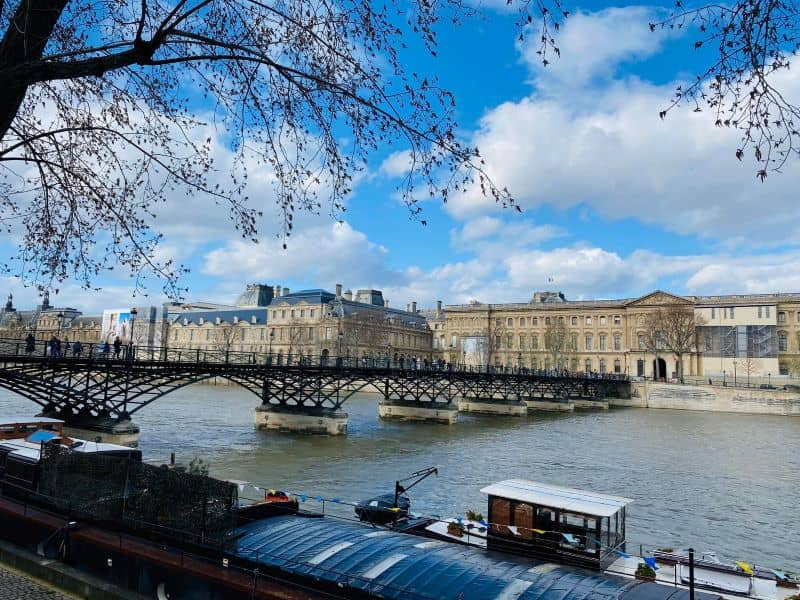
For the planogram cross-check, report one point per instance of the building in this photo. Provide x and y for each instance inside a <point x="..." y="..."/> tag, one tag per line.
<point x="274" y="323"/>
<point x="732" y="336"/>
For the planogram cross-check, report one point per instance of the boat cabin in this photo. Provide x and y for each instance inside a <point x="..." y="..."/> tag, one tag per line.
<point x="22" y="427"/>
<point x="556" y="523"/>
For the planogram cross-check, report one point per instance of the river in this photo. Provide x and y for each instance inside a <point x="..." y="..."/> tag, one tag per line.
<point x="715" y="481"/>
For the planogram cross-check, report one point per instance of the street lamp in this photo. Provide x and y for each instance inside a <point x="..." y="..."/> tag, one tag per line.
<point x="60" y="316"/>
<point x="339" y="337"/>
<point x="134" y="312"/>
<point x="271" y="338"/>
<point x="769" y="379"/>
<point x="723" y="377"/>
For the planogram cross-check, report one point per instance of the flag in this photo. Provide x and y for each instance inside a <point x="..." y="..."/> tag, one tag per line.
<point x="650" y="561"/>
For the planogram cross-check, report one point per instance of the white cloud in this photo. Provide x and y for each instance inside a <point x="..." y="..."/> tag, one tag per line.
<point x="396" y="164"/>
<point x="604" y="146"/>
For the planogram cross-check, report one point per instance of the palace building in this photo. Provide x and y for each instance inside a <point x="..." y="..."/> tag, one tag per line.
<point x="735" y="336"/>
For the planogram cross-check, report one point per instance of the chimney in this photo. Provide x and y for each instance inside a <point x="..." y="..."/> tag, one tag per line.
<point x="348" y="295"/>
<point x="285" y="291"/>
<point x="277" y="291"/>
<point x="385" y="303"/>
<point x="438" y="307"/>
<point x="408" y="308"/>
<point x="338" y="290"/>
<point x="414" y="307"/>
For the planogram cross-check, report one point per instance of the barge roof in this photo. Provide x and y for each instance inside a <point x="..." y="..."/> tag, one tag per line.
<point x="554" y="496"/>
<point x="387" y="564"/>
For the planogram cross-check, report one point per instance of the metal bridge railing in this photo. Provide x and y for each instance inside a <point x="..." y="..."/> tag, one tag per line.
<point x="130" y="353"/>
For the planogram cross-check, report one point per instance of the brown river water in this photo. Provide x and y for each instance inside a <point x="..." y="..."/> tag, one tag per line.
<point x="715" y="481"/>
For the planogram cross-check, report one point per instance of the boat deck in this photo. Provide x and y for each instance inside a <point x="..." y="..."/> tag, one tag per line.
<point x="728" y="585"/>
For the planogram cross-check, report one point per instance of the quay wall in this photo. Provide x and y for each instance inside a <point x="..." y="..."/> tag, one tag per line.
<point x="756" y="401"/>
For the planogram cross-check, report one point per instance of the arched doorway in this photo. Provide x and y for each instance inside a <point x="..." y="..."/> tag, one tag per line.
<point x="659" y="369"/>
<point x="324" y="357"/>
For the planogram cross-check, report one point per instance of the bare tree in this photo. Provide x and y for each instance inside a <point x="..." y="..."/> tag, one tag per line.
<point x="557" y="342"/>
<point x="106" y="104"/>
<point x="226" y="336"/>
<point x="364" y="331"/>
<point x="672" y="329"/>
<point x="752" y="42"/>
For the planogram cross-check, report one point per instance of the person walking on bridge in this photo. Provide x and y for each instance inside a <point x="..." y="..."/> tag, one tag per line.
<point x="117" y="347"/>
<point x="30" y="344"/>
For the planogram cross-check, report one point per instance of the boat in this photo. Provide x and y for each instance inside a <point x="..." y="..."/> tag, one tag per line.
<point x="21" y="427"/>
<point x="383" y="509"/>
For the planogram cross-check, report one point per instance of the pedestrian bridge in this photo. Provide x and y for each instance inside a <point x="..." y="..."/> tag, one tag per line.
<point x="98" y="389"/>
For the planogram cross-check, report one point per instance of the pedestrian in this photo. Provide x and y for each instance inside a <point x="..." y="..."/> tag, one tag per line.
<point x="67" y="347"/>
<point x="106" y="349"/>
<point x="52" y="347"/>
<point x="58" y="348"/>
<point x="30" y="344"/>
<point x="117" y="347"/>
<point x="77" y="349"/>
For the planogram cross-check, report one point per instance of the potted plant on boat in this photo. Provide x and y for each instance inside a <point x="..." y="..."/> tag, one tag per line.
<point x="645" y="572"/>
<point x="473" y="516"/>
<point x="455" y="528"/>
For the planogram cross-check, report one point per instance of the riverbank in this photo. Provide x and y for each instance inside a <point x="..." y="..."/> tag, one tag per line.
<point x="753" y="401"/>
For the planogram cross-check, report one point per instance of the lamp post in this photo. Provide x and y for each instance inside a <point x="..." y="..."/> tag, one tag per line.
<point x="271" y="338"/>
<point x="60" y="317"/>
<point x="389" y="355"/>
<point x="769" y="379"/>
<point x="134" y="312"/>
<point x="723" y="377"/>
<point x="339" y="337"/>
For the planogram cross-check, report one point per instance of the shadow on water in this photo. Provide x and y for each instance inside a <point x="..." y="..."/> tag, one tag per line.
<point x="713" y="480"/>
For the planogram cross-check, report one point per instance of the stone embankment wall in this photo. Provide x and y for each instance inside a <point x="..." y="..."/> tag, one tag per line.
<point x="712" y="398"/>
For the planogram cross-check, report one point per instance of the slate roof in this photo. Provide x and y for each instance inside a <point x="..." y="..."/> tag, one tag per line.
<point x="227" y="315"/>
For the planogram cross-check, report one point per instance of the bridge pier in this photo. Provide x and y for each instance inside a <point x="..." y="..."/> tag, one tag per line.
<point x="324" y="421"/>
<point x="591" y="404"/>
<point x="493" y="406"/>
<point x="535" y="403"/>
<point x="108" y="430"/>
<point x="438" y="412"/>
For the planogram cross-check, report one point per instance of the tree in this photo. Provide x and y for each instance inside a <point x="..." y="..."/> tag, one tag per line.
<point x="752" y="42"/>
<point x="364" y="331"/>
<point x="226" y="336"/>
<point x="106" y="108"/>
<point x="673" y="329"/>
<point x="557" y="342"/>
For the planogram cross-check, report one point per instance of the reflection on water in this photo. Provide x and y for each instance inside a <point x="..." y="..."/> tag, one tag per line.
<point x="712" y="480"/>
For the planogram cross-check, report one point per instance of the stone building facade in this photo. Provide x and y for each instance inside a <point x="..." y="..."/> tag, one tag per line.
<point x="735" y="336"/>
<point x="286" y="327"/>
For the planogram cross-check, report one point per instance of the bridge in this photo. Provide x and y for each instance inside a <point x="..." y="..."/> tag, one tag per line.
<point x="98" y="390"/>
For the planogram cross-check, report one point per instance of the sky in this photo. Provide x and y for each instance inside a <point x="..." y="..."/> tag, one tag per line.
<point x="616" y="201"/>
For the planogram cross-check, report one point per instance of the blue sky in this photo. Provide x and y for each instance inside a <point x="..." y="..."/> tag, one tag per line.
<point x="616" y="202"/>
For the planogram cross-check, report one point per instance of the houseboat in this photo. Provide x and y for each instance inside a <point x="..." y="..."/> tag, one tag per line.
<point x="21" y="427"/>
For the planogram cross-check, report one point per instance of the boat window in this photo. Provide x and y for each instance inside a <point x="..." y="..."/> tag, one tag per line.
<point x="523" y="519"/>
<point x="500" y="515"/>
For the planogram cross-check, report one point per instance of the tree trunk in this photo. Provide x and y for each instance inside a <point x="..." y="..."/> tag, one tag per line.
<point x="24" y="41"/>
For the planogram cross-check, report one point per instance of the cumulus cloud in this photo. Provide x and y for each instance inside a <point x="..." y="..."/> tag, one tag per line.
<point x="396" y="164"/>
<point x="603" y="146"/>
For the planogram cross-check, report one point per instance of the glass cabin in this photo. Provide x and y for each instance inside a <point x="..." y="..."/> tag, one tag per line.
<point x="556" y="523"/>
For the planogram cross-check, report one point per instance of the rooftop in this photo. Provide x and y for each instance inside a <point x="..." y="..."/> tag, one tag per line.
<point x="553" y="496"/>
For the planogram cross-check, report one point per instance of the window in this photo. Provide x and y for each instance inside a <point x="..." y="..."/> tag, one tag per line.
<point x="617" y="320"/>
<point x="311" y="313"/>
<point x="766" y="310"/>
<point x="522" y="342"/>
<point x="602" y="340"/>
<point x="208" y="334"/>
<point x="510" y="322"/>
<point x="781" y="317"/>
<point x="783" y="369"/>
<point x="714" y="312"/>
<point x="588" y="320"/>
<point x="522" y="321"/>
<point x="302" y="314"/>
<point x="574" y="344"/>
<point x="641" y="342"/>
<point x="617" y="366"/>
<point x="293" y="313"/>
<point x="498" y="322"/>
<point x="731" y="311"/>
<point x="534" y="342"/>
<point x="640" y="368"/>
<point x="783" y="342"/>
<point x="574" y="320"/>
<point x="509" y="341"/>
<point x="588" y="342"/>
<point x="535" y="321"/>
<point x="191" y="335"/>
<point x="310" y="334"/>
<point x="759" y="312"/>
<point x="547" y="320"/>
<point x="617" y="342"/>
<point x="602" y="365"/>
<point x="602" y="320"/>
<point x="587" y="365"/>
<point x="328" y="333"/>
<point x="283" y="314"/>
<point x="496" y="342"/>
<point x="560" y="320"/>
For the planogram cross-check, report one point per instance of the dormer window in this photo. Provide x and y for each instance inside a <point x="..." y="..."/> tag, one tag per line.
<point x="185" y="321"/>
<point x="254" y="319"/>
<point x="202" y="320"/>
<point x="235" y="319"/>
<point x="217" y="320"/>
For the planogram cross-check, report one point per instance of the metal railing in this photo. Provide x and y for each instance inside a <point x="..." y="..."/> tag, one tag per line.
<point x="78" y="351"/>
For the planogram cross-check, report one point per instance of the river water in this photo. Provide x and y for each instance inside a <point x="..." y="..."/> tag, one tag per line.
<point x="714" y="481"/>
